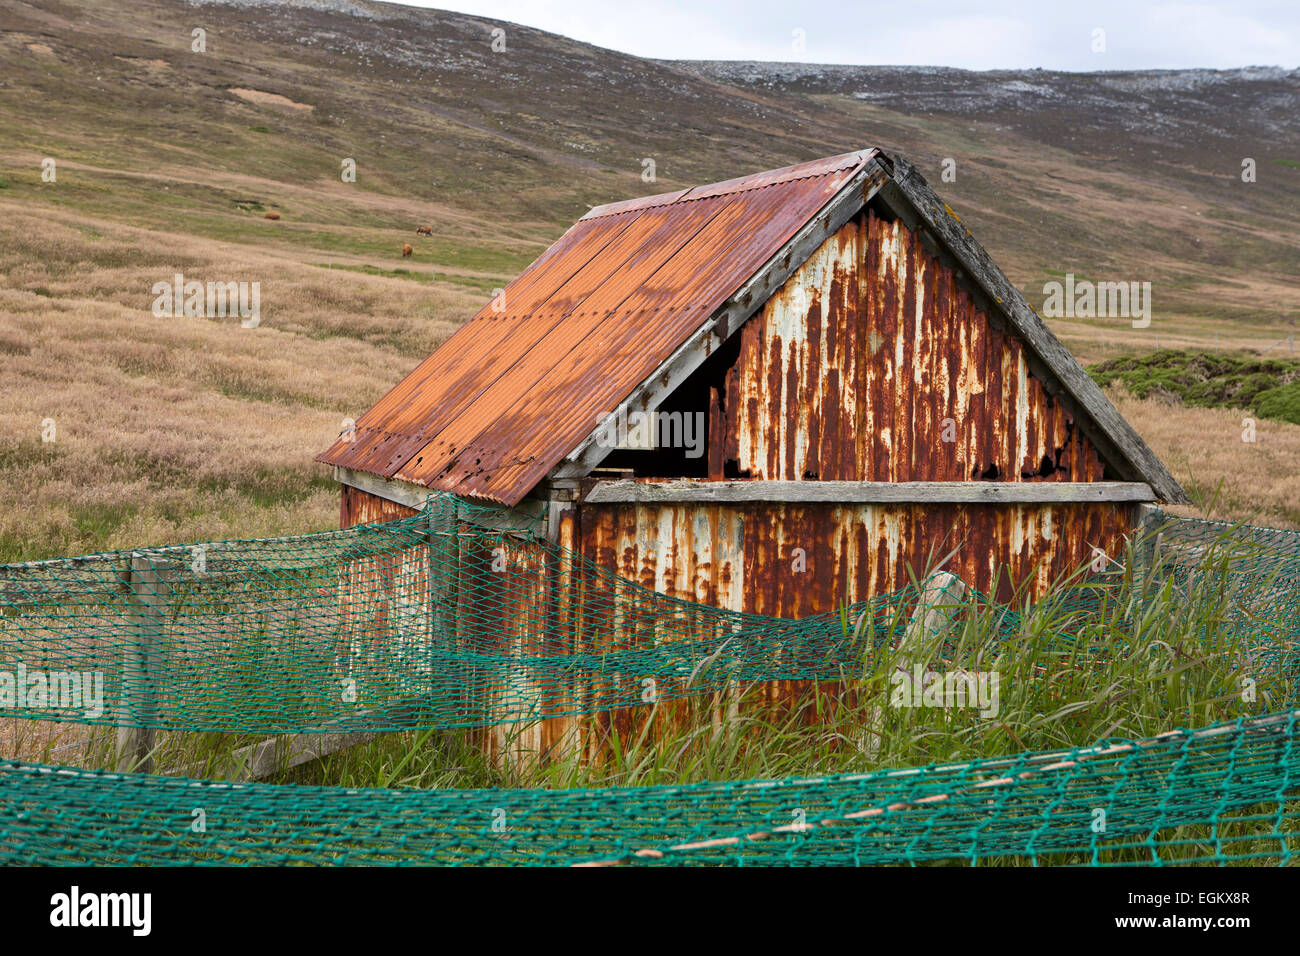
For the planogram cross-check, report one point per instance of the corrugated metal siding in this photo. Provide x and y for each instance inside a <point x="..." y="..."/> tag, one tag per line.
<point x="512" y="392"/>
<point x="733" y="556"/>
<point x="361" y="507"/>
<point x="384" y="599"/>
<point x="497" y="597"/>
<point x="510" y="617"/>
<point x="742" y="556"/>
<point x="858" y="366"/>
<point x="546" y="613"/>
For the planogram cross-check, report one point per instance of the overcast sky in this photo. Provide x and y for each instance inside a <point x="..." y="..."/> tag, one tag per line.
<point x="976" y="34"/>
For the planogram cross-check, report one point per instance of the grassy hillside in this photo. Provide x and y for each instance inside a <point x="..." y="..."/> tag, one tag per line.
<point x="166" y="160"/>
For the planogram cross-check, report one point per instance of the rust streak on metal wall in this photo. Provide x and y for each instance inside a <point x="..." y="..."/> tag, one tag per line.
<point x="742" y="556"/>
<point x="872" y="364"/>
<point x="384" y="598"/>
<point x="361" y="507"/>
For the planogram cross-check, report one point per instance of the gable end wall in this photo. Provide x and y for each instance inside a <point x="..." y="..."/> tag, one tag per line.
<point x="873" y="364"/>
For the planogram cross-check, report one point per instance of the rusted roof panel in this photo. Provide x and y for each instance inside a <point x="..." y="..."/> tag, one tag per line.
<point x="499" y="404"/>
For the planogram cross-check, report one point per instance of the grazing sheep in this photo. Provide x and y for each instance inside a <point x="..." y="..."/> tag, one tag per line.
<point x="406" y="250"/>
<point x="271" y="215"/>
<point x="424" y="231"/>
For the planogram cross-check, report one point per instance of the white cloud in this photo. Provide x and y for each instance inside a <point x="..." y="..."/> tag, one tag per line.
<point x="1011" y="34"/>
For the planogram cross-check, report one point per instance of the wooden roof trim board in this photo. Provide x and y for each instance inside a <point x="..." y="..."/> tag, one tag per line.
<point x="620" y="491"/>
<point x="417" y="496"/>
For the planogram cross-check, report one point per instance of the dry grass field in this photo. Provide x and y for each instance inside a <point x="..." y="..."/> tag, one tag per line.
<point x="172" y="429"/>
<point x="1227" y="478"/>
<point x="175" y="428"/>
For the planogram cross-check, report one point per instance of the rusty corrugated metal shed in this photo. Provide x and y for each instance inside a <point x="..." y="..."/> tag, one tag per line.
<point x="520" y="385"/>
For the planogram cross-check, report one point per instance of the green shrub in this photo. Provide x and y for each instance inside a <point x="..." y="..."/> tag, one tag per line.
<point x="1205" y="379"/>
<point x="1282" y="403"/>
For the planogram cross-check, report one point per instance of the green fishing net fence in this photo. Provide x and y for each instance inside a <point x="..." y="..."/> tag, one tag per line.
<point x="1214" y="795"/>
<point x="438" y="620"/>
<point x="463" y="617"/>
<point x="447" y="619"/>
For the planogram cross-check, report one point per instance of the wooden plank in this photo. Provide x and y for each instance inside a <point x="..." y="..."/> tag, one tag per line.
<point x="733" y="313"/>
<point x="523" y="516"/>
<point x="1136" y="460"/>
<point x="905" y="492"/>
<point x="401" y="492"/>
<point x="1148" y="516"/>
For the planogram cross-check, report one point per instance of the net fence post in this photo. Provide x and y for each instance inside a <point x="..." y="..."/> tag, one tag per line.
<point x="1150" y="537"/>
<point x="441" y="544"/>
<point x="444" y="557"/>
<point x="135" y="735"/>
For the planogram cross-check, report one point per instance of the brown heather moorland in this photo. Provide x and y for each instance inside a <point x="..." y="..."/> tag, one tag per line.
<point x="178" y="429"/>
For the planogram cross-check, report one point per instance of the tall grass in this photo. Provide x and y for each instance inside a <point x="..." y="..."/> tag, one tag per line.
<point x="1127" y="653"/>
<point x="1180" y="637"/>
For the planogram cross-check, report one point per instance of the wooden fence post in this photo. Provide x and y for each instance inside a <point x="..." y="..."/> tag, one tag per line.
<point x="149" y="594"/>
<point x="940" y="593"/>
<point x="444" y="570"/>
<point x="435" y="548"/>
<point x="1150" y="539"/>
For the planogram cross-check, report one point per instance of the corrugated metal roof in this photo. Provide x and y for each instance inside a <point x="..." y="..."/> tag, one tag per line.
<point x="512" y="392"/>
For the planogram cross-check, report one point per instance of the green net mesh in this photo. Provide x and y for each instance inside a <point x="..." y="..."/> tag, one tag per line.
<point x="1218" y="794"/>
<point x="455" y="618"/>
<point x="435" y="620"/>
